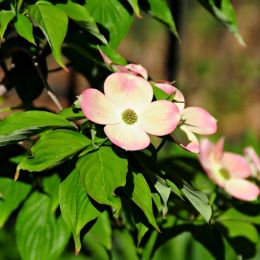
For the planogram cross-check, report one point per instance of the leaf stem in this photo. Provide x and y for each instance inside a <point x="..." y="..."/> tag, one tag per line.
<point x="46" y="85"/>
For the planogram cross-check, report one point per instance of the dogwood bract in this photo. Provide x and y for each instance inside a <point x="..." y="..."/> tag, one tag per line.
<point x="253" y="160"/>
<point x="194" y="120"/>
<point x="227" y="170"/>
<point x="127" y="111"/>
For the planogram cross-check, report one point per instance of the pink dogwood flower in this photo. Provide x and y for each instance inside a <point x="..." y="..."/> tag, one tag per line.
<point x="194" y="120"/>
<point x="228" y="170"/>
<point x="254" y="161"/>
<point x="127" y="111"/>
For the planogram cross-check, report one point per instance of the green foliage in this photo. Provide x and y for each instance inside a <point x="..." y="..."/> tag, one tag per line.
<point x="101" y="178"/>
<point x="22" y="125"/>
<point x="116" y="204"/>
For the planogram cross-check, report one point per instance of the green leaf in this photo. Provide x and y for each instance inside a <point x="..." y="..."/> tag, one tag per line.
<point x="158" y="93"/>
<point x="52" y="149"/>
<point x="21" y="125"/>
<point x="139" y="192"/>
<point x="81" y="15"/>
<point x="76" y="208"/>
<point x="54" y="24"/>
<point x="161" y="11"/>
<point x="235" y="215"/>
<point x="12" y="194"/>
<point x="6" y="16"/>
<point x="123" y="245"/>
<point x="39" y="234"/>
<point x="103" y="171"/>
<point x="72" y="114"/>
<point x="51" y="187"/>
<point x="198" y="199"/>
<point x="135" y="6"/>
<point x="225" y="13"/>
<point x="24" y="27"/>
<point x="164" y="192"/>
<point x="101" y="231"/>
<point x="112" y="15"/>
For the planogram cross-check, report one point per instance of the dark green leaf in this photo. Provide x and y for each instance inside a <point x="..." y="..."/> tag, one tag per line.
<point x="80" y="15"/>
<point x="76" y="208"/>
<point x="39" y="234"/>
<point x="53" y="22"/>
<point x="225" y="13"/>
<point x="139" y="192"/>
<point x="112" y="15"/>
<point x="22" y="125"/>
<point x="199" y="200"/>
<point x="6" y="16"/>
<point x="52" y="149"/>
<point x="12" y="194"/>
<point x="24" y="27"/>
<point x="103" y="171"/>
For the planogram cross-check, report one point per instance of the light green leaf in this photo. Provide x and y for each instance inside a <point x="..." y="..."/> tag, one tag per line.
<point x="54" y="24"/>
<point x="161" y="11"/>
<point x="234" y="215"/>
<point x="72" y="114"/>
<point x="112" y="15"/>
<point x="101" y="232"/>
<point x="52" y="149"/>
<point x="6" y="16"/>
<point x="39" y="234"/>
<point x="24" y="27"/>
<point x="81" y="15"/>
<point x="139" y="192"/>
<point x="135" y="6"/>
<point x="164" y="192"/>
<point x="225" y="14"/>
<point x="103" y="171"/>
<point x="198" y="199"/>
<point x="22" y="125"/>
<point x="241" y="229"/>
<point x="51" y="187"/>
<point x="141" y="229"/>
<point x="76" y="208"/>
<point x="12" y="194"/>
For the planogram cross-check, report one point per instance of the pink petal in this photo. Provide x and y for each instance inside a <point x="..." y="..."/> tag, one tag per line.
<point x="138" y="69"/>
<point x="218" y="149"/>
<point x="105" y="57"/>
<point x="186" y="139"/>
<point x="128" y="91"/>
<point x="236" y="165"/>
<point x="128" y="137"/>
<point x="159" y="118"/>
<point x="170" y="89"/>
<point x="98" y="108"/>
<point x="242" y="189"/>
<point x="199" y="120"/>
<point x="209" y="163"/>
<point x="253" y="157"/>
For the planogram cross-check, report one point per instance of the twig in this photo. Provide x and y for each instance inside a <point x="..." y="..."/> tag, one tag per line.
<point x="46" y="85"/>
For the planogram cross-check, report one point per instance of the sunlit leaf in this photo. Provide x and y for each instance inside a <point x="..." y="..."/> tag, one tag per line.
<point x="39" y="234"/>
<point x="103" y="171"/>
<point x="6" y="17"/>
<point x="53" y="22"/>
<point x="76" y="208"/>
<point x="52" y="149"/>
<point x="22" y="125"/>
<point x="12" y="194"/>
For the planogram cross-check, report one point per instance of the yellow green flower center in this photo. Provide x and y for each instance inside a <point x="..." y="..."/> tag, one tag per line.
<point x="224" y="173"/>
<point x="129" y="116"/>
